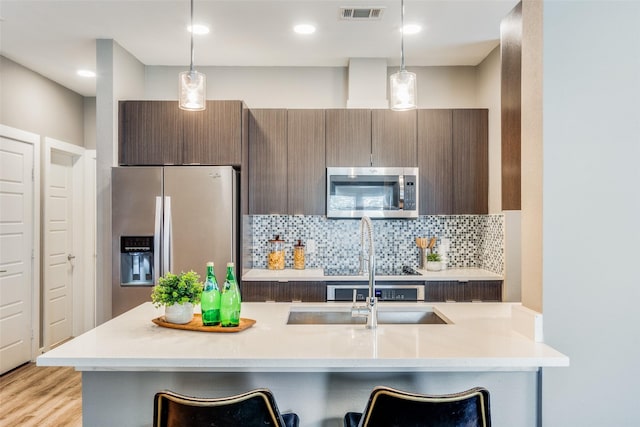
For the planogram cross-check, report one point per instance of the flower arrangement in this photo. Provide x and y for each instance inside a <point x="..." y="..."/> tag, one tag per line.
<point x="177" y="289"/>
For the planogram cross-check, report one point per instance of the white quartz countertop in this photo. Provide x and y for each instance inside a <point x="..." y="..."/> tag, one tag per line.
<point x="480" y="338"/>
<point x="317" y="274"/>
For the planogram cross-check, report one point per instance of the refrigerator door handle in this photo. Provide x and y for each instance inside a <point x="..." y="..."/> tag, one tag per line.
<point x="168" y="241"/>
<point x="156" y="240"/>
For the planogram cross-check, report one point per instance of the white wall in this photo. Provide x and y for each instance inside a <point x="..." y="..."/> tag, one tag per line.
<point x="120" y="76"/>
<point x="591" y="211"/>
<point x="488" y="96"/>
<point x="90" y="132"/>
<point x="306" y="87"/>
<point x="36" y="104"/>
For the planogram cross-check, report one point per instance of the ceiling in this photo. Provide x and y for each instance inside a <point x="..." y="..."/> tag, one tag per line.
<point x="57" y="37"/>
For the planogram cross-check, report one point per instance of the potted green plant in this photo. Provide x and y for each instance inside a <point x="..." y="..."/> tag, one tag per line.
<point x="433" y="262"/>
<point x="178" y="294"/>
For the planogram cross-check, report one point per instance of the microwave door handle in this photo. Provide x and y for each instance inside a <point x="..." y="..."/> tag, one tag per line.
<point x="167" y="241"/>
<point x="401" y="190"/>
<point x="156" y="240"/>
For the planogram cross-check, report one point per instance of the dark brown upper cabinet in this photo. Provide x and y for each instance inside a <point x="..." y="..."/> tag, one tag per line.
<point x="213" y="136"/>
<point x="150" y="133"/>
<point x="348" y="137"/>
<point x="159" y="133"/>
<point x="394" y="138"/>
<point x="453" y="160"/>
<point x="358" y="137"/>
<point x="470" y="138"/>
<point x="306" y="168"/>
<point x="268" y="161"/>
<point x="435" y="161"/>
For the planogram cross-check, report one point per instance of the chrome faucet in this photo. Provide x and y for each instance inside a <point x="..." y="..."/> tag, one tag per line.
<point x="370" y="309"/>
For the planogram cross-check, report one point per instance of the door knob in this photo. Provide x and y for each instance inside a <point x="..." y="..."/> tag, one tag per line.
<point x="70" y="257"/>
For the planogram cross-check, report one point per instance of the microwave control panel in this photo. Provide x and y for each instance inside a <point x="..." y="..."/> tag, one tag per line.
<point x="409" y="193"/>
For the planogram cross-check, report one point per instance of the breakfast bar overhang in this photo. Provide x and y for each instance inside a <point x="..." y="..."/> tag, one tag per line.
<point x="317" y="371"/>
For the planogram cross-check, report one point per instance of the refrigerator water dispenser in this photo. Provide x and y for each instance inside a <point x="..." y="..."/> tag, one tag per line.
<point x="136" y="260"/>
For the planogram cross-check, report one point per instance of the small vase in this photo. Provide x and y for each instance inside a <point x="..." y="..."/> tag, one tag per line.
<point x="179" y="313"/>
<point x="434" y="265"/>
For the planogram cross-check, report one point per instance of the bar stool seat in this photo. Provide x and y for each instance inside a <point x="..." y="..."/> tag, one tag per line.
<point x="390" y="407"/>
<point x="255" y="408"/>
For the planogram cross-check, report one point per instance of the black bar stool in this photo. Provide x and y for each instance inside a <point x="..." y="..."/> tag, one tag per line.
<point x="390" y="407"/>
<point x="255" y="408"/>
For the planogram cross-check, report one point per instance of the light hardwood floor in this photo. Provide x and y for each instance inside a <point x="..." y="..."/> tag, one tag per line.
<point x="41" y="396"/>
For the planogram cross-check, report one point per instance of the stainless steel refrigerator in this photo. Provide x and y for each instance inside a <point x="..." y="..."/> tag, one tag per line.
<point x="170" y="218"/>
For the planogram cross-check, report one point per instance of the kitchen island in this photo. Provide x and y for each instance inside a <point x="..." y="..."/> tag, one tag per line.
<point x="318" y="371"/>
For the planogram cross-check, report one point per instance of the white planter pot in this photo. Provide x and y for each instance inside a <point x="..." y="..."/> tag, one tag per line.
<point x="179" y="313"/>
<point x="434" y="265"/>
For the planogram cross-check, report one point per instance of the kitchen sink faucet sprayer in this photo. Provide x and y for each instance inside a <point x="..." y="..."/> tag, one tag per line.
<point x="370" y="309"/>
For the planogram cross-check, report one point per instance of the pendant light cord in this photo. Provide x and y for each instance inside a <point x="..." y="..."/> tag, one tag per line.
<point x="401" y="35"/>
<point x="191" y="66"/>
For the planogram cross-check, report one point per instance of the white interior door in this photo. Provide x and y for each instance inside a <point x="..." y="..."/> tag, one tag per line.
<point x="59" y="256"/>
<point x="16" y="252"/>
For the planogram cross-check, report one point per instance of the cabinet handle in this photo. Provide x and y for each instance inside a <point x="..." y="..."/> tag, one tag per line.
<point x="70" y="257"/>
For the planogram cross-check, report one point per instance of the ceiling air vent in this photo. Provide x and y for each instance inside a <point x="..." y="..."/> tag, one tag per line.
<point x="361" y="13"/>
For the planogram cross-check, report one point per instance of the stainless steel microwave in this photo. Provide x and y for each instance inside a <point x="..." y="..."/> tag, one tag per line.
<point x="383" y="192"/>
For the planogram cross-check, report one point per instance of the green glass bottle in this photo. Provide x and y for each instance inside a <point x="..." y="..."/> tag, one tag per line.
<point x="230" y="305"/>
<point x="211" y="298"/>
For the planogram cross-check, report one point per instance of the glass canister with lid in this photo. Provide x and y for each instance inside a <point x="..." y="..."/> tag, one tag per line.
<point x="275" y="258"/>
<point x="298" y="256"/>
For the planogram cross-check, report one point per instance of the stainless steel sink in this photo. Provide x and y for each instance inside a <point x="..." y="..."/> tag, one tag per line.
<point x="386" y="316"/>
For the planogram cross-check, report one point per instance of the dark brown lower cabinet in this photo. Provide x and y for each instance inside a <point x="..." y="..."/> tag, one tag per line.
<point x="254" y="291"/>
<point x="477" y="290"/>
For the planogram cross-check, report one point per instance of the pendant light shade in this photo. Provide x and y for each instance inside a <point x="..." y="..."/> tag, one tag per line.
<point x="192" y="85"/>
<point x="403" y="90"/>
<point x="403" y="84"/>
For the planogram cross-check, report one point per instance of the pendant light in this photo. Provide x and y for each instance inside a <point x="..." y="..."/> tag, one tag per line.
<point x="402" y="85"/>
<point x="192" y="85"/>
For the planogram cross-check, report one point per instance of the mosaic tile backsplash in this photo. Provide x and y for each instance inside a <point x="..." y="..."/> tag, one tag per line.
<point x="475" y="240"/>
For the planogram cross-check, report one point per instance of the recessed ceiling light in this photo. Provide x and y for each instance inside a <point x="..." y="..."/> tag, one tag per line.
<point x="86" y="73"/>
<point x="412" y="29"/>
<point x="199" y="29"/>
<point x="304" y="29"/>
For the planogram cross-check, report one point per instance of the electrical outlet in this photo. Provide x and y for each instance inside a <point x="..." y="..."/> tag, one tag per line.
<point x="311" y="246"/>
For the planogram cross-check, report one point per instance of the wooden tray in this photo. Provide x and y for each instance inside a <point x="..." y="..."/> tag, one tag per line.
<point x="196" y="325"/>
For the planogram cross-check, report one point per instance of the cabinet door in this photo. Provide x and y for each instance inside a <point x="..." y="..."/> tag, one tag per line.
<point x="393" y="138"/>
<point x="306" y="172"/>
<point x="258" y="291"/>
<point x="150" y="133"/>
<point x="441" y="291"/>
<point x="301" y="291"/>
<point x="268" y="161"/>
<point x="348" y="137"/>
<point x="213" y="136"/>
<point x="435" y="161"/>
<point x="470" y="161"/>
<point x="483" y="290"/>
